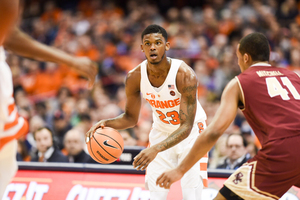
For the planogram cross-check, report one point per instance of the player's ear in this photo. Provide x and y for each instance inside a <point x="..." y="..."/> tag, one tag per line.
<point x="246" y="58"/>
<point x="167" y="46"/>
<point x="142" y="48"/>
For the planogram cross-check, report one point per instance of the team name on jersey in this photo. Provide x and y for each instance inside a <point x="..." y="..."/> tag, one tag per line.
<point x="268" y="73"/>
<point x="164" y="104"/>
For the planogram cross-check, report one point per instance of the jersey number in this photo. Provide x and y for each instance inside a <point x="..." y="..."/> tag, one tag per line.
<point x="173" y="114"/>
<point x="275" y="88"/>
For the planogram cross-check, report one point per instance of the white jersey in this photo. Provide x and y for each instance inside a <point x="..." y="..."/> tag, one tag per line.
<point x="165" y="100"/>
<point x="2" y="54"/>
<point x="12" y="126"/>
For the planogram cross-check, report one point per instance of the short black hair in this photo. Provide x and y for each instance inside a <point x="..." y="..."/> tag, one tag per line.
<point x="256" y="45"/>
<point x="153" y="28"/>
<point x="245" y="143"/>
<point x="42" y="128"/>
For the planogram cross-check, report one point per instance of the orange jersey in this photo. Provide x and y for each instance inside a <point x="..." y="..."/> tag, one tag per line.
<point x="12" y="126"/>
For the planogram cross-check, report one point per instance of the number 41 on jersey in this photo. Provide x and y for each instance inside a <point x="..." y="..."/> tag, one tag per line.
<point x="276" y="89"/>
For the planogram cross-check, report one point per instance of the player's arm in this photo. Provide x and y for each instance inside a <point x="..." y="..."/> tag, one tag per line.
<point x="22" y="44"/>
<point x="186" y="83"/>
<point x="130" y="117"/>
<point x="221" y="121"/>
<point x="8" y="15"/>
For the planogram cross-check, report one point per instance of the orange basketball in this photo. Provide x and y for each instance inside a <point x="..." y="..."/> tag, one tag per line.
<point x="106" y="145"/>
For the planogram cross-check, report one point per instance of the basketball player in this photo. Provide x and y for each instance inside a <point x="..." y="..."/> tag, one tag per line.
<point x="169" y="85"/>
<point x="8" y="16"/>
<point x="270" y="99"/>
<point x="12" y="126"/>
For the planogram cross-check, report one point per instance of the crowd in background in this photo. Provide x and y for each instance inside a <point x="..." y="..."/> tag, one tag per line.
<point x="205" y="36"/>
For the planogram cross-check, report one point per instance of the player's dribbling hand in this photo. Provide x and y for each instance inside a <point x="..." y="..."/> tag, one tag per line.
<point x="166" y="179"/>
<point x="92" y="130"/>
<point x="143" y="159"/>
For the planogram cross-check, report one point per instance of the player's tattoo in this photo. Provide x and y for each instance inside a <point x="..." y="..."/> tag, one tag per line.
<point x="174" y="139"/>
<point x="185" y="115"/>
<point x="189" y="88"/>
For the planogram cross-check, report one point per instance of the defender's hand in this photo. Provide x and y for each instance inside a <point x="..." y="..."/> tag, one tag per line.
<point x="86" y="67"/>
<point x="168" y="178"/>
<point x="92" y="130"/>
<point x="143" y="159"/>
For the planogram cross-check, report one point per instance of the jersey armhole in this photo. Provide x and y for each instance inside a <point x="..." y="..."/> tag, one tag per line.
<point x="176" y="88"/>
<point x="243" y="97"/>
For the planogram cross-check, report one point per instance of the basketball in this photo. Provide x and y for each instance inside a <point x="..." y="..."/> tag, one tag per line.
<point x="106" y="145"/>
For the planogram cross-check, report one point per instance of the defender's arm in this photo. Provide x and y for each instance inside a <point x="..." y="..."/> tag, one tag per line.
<point x="221" y="121"/>
<point x="22" y="44"/>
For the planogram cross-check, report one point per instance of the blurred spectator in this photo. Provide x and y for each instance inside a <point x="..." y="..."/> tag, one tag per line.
<point x="218" y="154"/>
<point x="204" y="34"/>
<point x="84" y="123"/>
<point x="22" y="151"/>
<point x="35" y="123"/>
<point x="287" y="12"/>
<point x="236" y="146"/>
<point x="143" y="129"/>
<point x="60" y="126"/>
<point x="252" y="149"/>
<point x="46" y="150"/>
<point x="74" y="143"/>
<point x="128" y="137"/>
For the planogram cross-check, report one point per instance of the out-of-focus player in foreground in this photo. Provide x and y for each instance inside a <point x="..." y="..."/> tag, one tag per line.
<point x="270" y="100"/>
<point x="8" y="166"/>
<point x="12" y="126"/>
<point x="169" y="85"/>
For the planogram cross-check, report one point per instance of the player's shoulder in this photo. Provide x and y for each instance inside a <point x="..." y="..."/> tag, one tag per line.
<point x="134" y="76"/>
<point x="186" y="78"/>
<point x="185" y="72"/>
<point x="135" y="72"/>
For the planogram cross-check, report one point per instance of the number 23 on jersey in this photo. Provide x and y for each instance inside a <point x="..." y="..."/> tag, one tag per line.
<point x="165" y="118"/>
<point x="175" y="119"/>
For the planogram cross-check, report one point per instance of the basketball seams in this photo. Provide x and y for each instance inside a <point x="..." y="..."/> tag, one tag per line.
<point x="100" y="148"/>
<point x="111" y="138"/>
<point x="93" y="151"/>
<point x="103" y="148"/>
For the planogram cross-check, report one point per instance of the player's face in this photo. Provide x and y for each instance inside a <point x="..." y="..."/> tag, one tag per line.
<point x="154" y="46"/>
<point x="235" y="147"/>
<point x="43" y="140"/>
